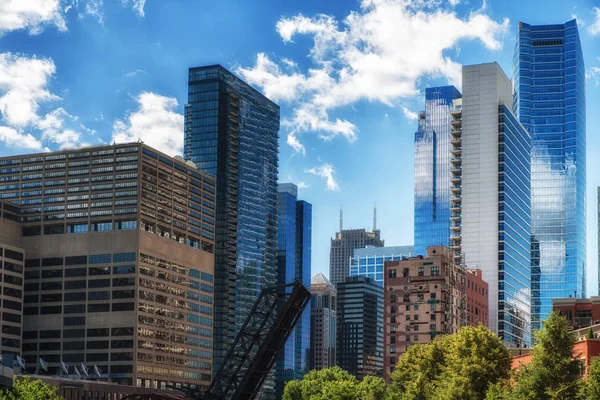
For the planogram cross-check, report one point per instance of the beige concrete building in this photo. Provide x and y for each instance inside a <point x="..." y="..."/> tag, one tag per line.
<point x="119" y="266"/>
<point x="424" y="298"/>
<point x="12" y="257"/>
<point x="323" y="323"/>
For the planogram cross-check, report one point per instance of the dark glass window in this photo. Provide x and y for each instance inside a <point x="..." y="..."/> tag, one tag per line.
<point x="121" y="344"/>
<point x="32" y="275"/>
<point x="94" y="357"/>
<point x="123" y="294"/>
<point x="100" y="259"/>
<point x="52" y="262"/>
<point x="11" y="342"/>
<point x="30" y="334"/>
<point x="12" y="267"/>
<point x="32" y="263"/>
<point x="46" y="346"/>
<point x="70" y="272"/>
<point x="51" y="285"/>
<point x="124" y="269"/>
<point x="13" y="255"/>
<point x="51" y="310"/>
<point x="76" y="260"/>
<point x="11" y="330"/>
<point x="75" y="309"/>
<point x="32" y="287"/>
<point x="122" y="331"/>
<point x="77" y="296"/>
<point x="54" y="229"/>
<point x="97" y="344"/>
<point x="78" y="284"/>
<point x="102" y="307"/>
<point x="121" y="369"/>
<point x="52" y="273"/>
<point x="29" y="347"/>
<point x="73" y="333"/>
<point x="51" y="297"/>
<point x="50" y="334"/>
<point x="123" y="281"/>
<point x="104" y="295"/>
<point x="13" y="305"/>
<point x="123" y="307"/>
<point x="97" y="332"/>
<point x="73" y="358"/>
<point x="31" y="311"/>
<point x="13" y="280"/>
<point x="77" y="345"/>
<point x="10" y="317"/>
<point x="123" y="257"/>
<point x="16" y="293"/>
<point x="99" y="271"/>
<point x="99" y="283"/>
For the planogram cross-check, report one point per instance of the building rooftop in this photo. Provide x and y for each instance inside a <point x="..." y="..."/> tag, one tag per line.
<point x="320" y="279"/>
<point x="384" y="251"/>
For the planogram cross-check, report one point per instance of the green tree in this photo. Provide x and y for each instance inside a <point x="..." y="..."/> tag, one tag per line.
<point x="453" y="367"/>
<point x="27" y="389"/>
<point x="334" y="384"/>
<point x="553" y="372"/>
<point x="590" y="334"/>
<point x="590" y="388"/>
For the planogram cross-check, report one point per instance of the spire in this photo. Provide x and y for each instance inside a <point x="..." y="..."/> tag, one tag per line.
<point x="374" y="217"/>
<point x="341" y="219"/>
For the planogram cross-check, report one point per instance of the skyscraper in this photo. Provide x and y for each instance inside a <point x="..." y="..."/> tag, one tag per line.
<point x="432" y="169"/>
<point x="360" y="327"/>
<point x="343" y="246"/>
<point x="231" y="132"/>
<point x="294" y="235"/>
<point x="322" y="323"/>
<point x="549" y="100"/>
<point x="494" y="198"/>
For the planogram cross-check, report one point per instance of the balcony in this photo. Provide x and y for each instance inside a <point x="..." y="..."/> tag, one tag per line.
<point x="457" y="151"/>
<point x="456" y="122"/>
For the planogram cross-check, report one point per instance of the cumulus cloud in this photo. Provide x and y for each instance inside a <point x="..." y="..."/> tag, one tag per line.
<point x="594" y="28"/>
<point x="326" y="171"/>
<point x="378" y="54"/>
<point x="33" y="15"/>
<point x="53" y="127"/>
<point x="155" y="122"/>
<point x="23" y="86"/>
<point x="410" y="115"/>
<point x="11" y="137"/>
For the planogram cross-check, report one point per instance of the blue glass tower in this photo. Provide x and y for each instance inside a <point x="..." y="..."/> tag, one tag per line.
<point x="549" y="100"/>
<point x="231" y="132"/>
<point x="432" y="169"/>
<point x="294" y="235"/>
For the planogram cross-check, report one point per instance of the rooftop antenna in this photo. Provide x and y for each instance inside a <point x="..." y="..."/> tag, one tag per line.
<point x="341" y="219"/>
<point x="375" y="217"/>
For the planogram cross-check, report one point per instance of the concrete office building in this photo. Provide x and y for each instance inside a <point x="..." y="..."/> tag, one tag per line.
<point x="12" y="257"/>
<point x="322" y="323"/>
<point x="493" y="200"/>
<point x="119" y="264"/>
<point x="424" y="298"/>
<point x="370" y="261"/>
<point x="360" y="327"/>
<point x="343" y="246"/>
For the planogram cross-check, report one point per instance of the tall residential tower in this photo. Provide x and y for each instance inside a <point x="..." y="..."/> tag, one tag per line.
<point x="294" y="235"/>
<point x="549" y="100"/>
<point x="432" y="169"/>
<point x="231" y="132"/>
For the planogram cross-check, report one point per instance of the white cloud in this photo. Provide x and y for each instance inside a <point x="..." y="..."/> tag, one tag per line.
<point x="23" y="86"/>
<point x="303" y="185"/>
<point x="155" y="122"/>
<point x="54" y="130"/>
<point x="379" y="53"/>
<point x="453" y="3"/>
<point x="593" y="73"/>
<point x="94" y="8"/>
<point x="132" y="74"/>
<point x="137" y="5"/>
<point x="10" y="137"/>
<point x="33" y="15"/>
<point x="594" y="28"/>
<point x="410" y="115"/>
<point x="326" y="171"/>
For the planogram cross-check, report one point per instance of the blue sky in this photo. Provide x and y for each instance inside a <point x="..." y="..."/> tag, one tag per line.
<point x="349" y="76"/>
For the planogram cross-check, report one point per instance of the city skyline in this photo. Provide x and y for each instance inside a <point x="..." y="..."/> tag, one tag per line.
<point x="146" y="91"/>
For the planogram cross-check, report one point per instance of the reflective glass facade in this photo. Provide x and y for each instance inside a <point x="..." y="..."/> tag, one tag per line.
<point x="294" y="234"/>
<point x="370" y="261"/>
<point x="231" y="131"/>
<point x="514" y="227"/>
<point x="432" y="169"/>
<point x="549" y="100"/>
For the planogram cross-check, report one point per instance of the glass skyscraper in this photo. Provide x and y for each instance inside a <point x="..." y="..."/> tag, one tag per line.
<point x="549" y="100"/>
<point x="432" y="169"/>
<point x="231" y="132"/>
<point x="294" y="235"/>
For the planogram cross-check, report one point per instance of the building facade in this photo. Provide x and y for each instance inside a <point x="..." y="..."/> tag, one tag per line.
<point x="424" y="297"/>
<point x="549" y="100"/>
<point x="370" y="261"/>
<point x="579" y="313"/>
<point x="495" y="199"/>
<point x="294" y="236"/>
<point x="322" y="323"/>
<point x="343" y="246"/>
<point x="360" y="327"/>
<point x="119" y="263"/>
<point x="477" y="298"/>
<point x="432" y="169"/>
<point x="231" y="132"/>
<point x="12" y="258"/>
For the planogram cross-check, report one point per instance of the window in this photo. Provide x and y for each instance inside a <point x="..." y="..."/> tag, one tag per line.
<point x="435" y="271"/>
<point x="100" y="258"/>
<point x="421" y="271"/>
<point x="124" y="257"/>
<point x="391" y="273"/>
<point x="101" y="226"/>
<point x="433" y="295"/>
<point x="102" y="307"/>
<point x="77" y="228"/>
<point x="393" y="298"/>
